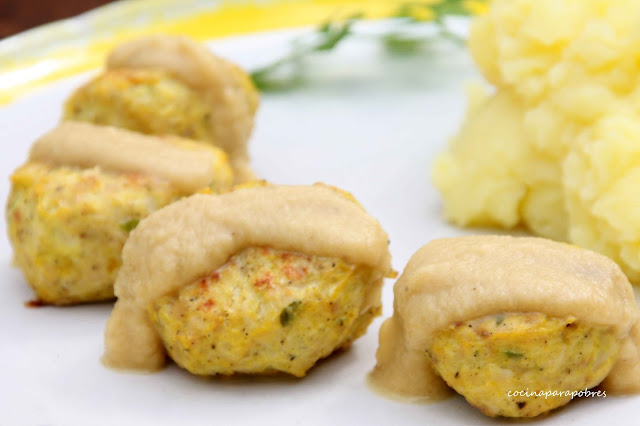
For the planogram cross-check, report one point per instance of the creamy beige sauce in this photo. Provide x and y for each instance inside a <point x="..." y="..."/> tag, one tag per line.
<point x="459" y="279"/>
<point x="188" y="239"/>
<point x="193" y="63"/>
<point x="87" y="145"/>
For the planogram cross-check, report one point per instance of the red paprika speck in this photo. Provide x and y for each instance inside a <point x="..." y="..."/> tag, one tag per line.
<point x="294" y="272"/>
<point x="208" y="304"/>
<point x="203" y="284"/>
<point x="264" y="281"/>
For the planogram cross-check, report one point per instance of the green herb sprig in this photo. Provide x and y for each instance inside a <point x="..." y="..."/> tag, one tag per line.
<point x="288" y="71"/>
<point x="325" y="38"/>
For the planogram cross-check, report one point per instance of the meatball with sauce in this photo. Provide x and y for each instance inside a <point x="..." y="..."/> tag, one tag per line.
<point x="68" y="225"/>
<point x="261" y="280"/>
<point x="519" y="326"/>
<point x="172" y="85"/>
<point x="68" y="220"/>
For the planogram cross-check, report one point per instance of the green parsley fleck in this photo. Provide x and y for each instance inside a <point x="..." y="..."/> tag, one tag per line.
<point x="513" y="355"/>
<point x="287" y="313"/>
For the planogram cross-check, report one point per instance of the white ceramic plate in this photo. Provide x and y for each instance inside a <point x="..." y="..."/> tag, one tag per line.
<point x="369" y="123"/>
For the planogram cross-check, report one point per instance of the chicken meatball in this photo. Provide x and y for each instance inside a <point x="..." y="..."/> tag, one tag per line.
<point x="263" y="279"/>
<point x="505" y="364"/>
<point x="149" y="101"/>
<point x="170" y="85"/>
<point x="517" y="325"/>
<point x="68" y="222"/>
<point x="264" y="311"/>
<point x="68" y="226"/>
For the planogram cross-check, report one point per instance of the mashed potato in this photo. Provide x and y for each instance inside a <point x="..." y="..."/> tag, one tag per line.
<point x="556" y="147"/>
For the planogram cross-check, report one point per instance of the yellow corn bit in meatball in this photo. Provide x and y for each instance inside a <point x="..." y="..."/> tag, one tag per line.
<point x="67" y="227"/>
<point x="264" y="311"/>
<point x="143" y="100"/>
<point x="488" y="359"/>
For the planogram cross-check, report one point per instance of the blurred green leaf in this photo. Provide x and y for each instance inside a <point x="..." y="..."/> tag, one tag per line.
<point x="129" y="225"/>
<point x="287" y="73"/>
<point x="402" y="44"/>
